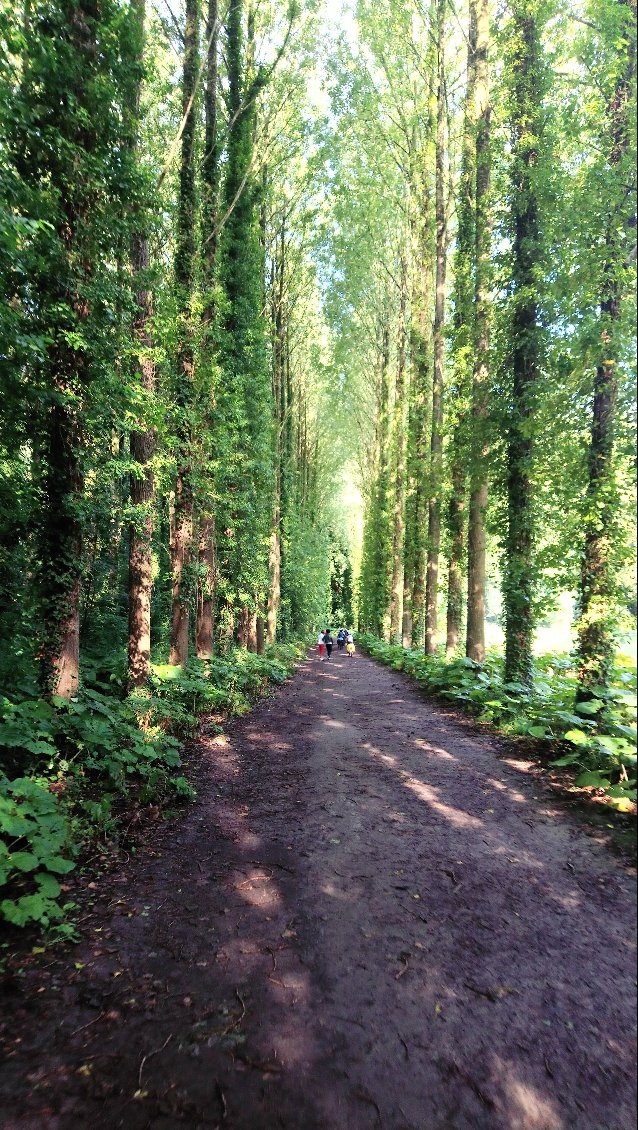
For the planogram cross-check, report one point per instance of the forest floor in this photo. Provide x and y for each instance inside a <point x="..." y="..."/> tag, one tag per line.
<point x="374" y="916"/>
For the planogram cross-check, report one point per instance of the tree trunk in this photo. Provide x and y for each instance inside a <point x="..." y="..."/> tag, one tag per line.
<point x="142" y="488"/>
<point x="281" y="420"/>
<point x="205" y="608"/>
<point x="400" y="447"/>
<point x="260" y="635"/>
<point x="436" y="445"/>
<point x="142" y="441"/>
<point x="61" y="539"/>
<point x="68" y="376"/>
<point x="181" y="549"/>
<point x="456" y="523"/>
<point x="205" y="622"/>
<point x="518" y="579"/>
<point x="463" y="338"/>
<point x="596" y="623"/>
<point x="476" y="540"/>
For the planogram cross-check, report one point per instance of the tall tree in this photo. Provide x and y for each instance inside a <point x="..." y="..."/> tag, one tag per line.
<point x="596" y="634"/>
<point x="436" y="447"/>
<point x="74" y="185"/>
<point x="476" y="572"/>
<point x="463" y="342"/>
<point x="142" y="442"/>
<point x="400" y="446"/>
<point x="525" y="56"/>
<point x="185" y="267"/>
<point x="211" y="171"/>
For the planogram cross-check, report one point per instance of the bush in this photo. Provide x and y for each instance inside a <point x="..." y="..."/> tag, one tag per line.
<point x="71" y="766"/>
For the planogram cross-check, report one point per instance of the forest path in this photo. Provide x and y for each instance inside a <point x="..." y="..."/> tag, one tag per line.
<point x="368" y="920"/>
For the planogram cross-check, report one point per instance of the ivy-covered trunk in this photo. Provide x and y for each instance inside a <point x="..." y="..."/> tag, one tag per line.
<point x="400" y="453"/>
<point x="476" y="539"/>
<point x="436" y="444"/>
<point x="207" y="558"/>
<point x="518" y="578"/>
<point x="71" y="97"/>
<point x="456" y="527"/>
<point x="182" y="535"/>
<point x="140" y="582"/>
<point x="463" y="351"/>
<point x="597" y="597"/>
<point x="282" y="418"/>
<point x="142" y="441"/>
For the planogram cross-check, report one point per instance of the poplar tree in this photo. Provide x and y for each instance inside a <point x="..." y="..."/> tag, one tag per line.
<point x="438" y="369"/>
<point x="185" y="268"/>
<point x="476" y="570"/>
<point x="525" y="59"/>
<point x="71" y="94"/>
<point x="142" y="441"/>
<point x="598" y="597"/>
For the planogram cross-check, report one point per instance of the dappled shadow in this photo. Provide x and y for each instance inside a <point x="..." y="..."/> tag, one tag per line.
<point x="366" y="921"/>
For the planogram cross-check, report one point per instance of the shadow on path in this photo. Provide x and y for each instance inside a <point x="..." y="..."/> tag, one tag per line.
<point x="367" y="920"/>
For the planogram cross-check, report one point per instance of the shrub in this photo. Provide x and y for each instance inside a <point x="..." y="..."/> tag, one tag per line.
<point x="70" y="766"/>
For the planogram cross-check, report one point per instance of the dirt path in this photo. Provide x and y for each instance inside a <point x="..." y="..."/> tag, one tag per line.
<point x="368" y="920"/>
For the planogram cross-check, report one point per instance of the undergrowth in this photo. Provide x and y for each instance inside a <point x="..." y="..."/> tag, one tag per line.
<point x="597" y="738"/>
<point x="71" y="770"/>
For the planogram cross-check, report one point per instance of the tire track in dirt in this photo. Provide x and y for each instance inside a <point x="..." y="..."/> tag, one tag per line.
<point x="369" y="919"/>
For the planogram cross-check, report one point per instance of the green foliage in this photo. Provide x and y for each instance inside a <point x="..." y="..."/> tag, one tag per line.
<point x="35" y="841"/>
<point x="95" y="756"/>
<point x="599" y="739"/>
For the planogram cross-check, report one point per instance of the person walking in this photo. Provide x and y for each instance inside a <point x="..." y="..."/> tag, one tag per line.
<point x="341" y="639"/>
<point x="350" y="645"/>
<point x="328" y="641"/>
<point x="322" y="645"/>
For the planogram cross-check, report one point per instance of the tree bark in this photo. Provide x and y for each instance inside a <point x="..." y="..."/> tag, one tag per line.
<point x="205" y="620"/>
<point x="205" y="608"/>
<point x="61" y="530"/>
<point x="476" y="541"/>
<point x="181" y="548"/>
<point x="142" y="441"/>
<point x="596" y="622"/>
<point x="463" y="336"/>
<point x="456" y="524"/>
<point x="142" y="446"/>
<point x="518" y="580"/>
<point x="436" y="444"/>
<point x="400" y="447"/>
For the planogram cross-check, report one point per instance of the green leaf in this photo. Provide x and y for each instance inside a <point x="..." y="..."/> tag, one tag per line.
<point x="48" y="885"/>
<point x="59" y="865"/>
<point x="592" y="777"/>
<point x="576" y="737"/>
<point x="588" y="707"/>
<point x="568" y="759"/>
<point x="24" y="861"/>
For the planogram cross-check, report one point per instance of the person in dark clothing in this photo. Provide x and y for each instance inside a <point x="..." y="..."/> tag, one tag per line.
<point x="328" y="641"/>
<point x="341" y="639"/>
